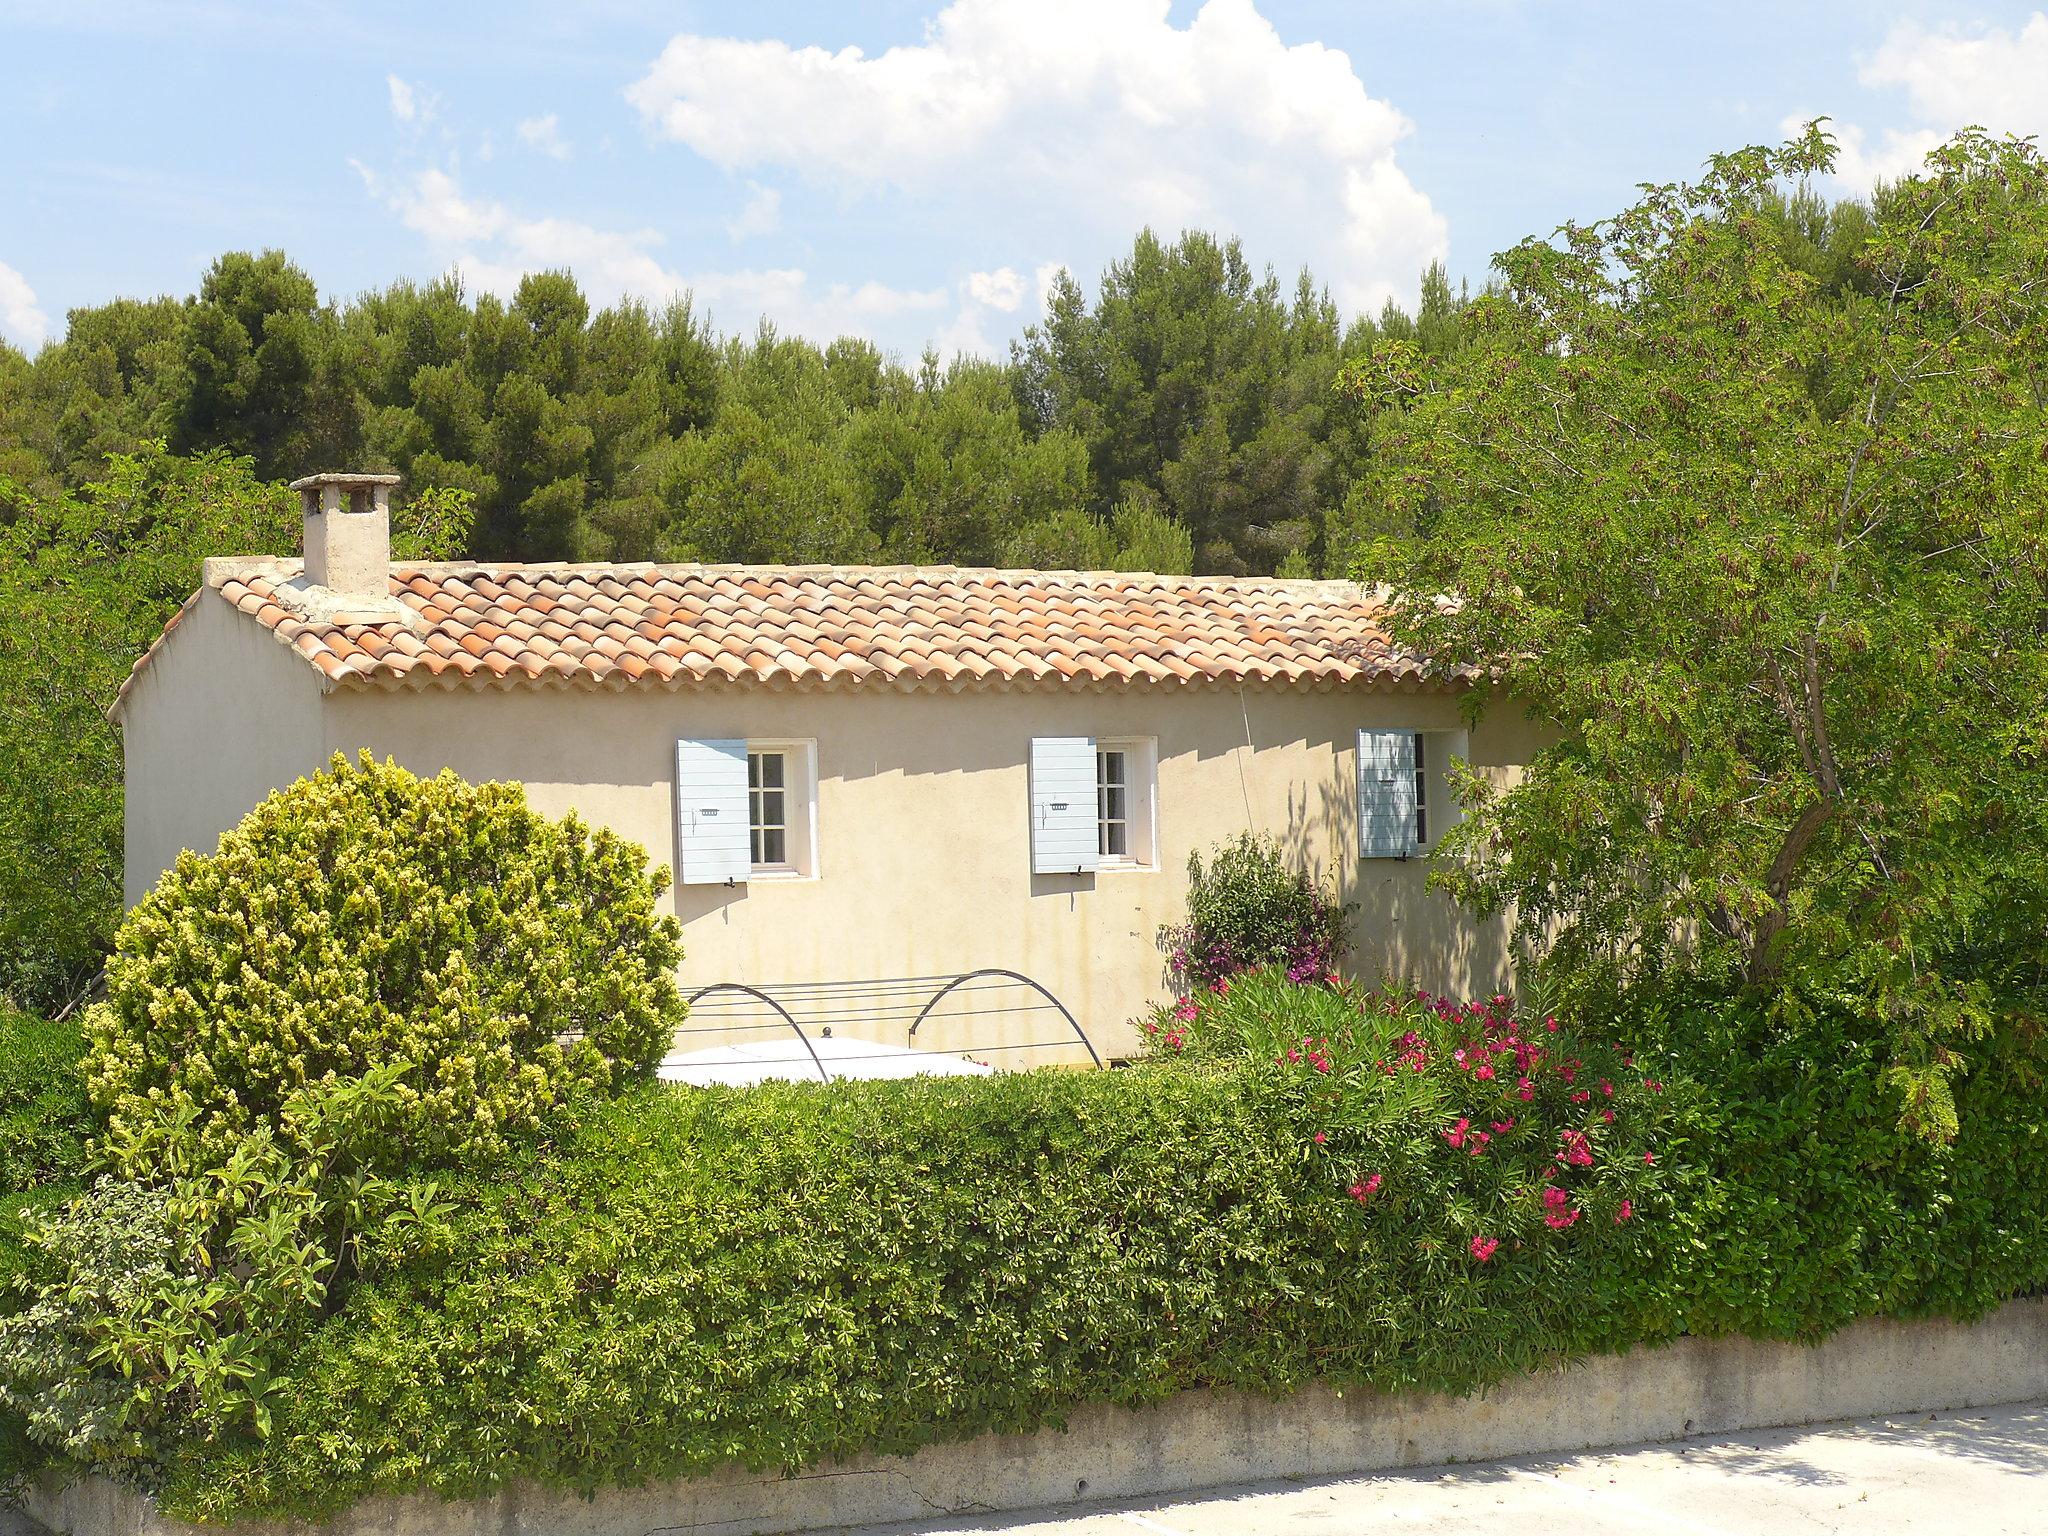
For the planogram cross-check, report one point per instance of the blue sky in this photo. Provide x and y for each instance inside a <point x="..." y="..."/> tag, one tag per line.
<point x="912" y="171"/>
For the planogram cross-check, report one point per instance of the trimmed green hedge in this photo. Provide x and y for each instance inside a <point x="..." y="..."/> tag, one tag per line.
<point x="781" y="1275"/>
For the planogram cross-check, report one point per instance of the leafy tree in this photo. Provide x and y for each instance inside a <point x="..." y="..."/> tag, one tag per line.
<point x="1193" y="381"/>
<point x="1758" y="538"/>
<point x="86" y="583"/>
<point x="253" y="344"/>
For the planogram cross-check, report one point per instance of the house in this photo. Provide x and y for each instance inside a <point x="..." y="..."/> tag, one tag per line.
<point x="855" y="773"/>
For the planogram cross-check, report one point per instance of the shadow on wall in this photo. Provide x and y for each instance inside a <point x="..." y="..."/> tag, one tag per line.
<point x="1402" y="931"/>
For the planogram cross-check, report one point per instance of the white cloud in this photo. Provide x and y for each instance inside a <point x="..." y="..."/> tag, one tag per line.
<point x="495" y="247"/>
<point x="411" y="103"/>
<point x="544" y="133"/>
<point x="21" y="317"/>
<point x="1990" y="77"/>
<point x="1001" y="289"/>
<point x="1096" y="115"/>
<point x="1994" y="78"/>
<point x="761" y="216"/>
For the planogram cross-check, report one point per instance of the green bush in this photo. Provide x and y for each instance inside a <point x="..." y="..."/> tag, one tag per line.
<point x="44" y="1118"/>
<point x="363" y="919"/>
<point x="1248" y="907"/>
<point x="1305" y="1182"/>
<point x="45" y="1124"/>
<point x="782" y="1275"/>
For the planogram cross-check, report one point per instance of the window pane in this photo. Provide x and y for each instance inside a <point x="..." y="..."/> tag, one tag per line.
<point x="756" y="838"/>
<point x="753" y="770"/>
<point x="1115" y="840"/>
<point x="1113" y="802"/>
<point x="1421" y="794"/>
<point x="769" y="846"/>
<point x="1109" y="767"/>
<point x="771" y="770"/>
<point x="771" y="814"/>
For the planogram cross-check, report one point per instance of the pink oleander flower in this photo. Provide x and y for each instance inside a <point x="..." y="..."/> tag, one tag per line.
<point x="1577" y="1150"/>
<point x="1456" y="1134"/>
<point x="1187" y="1010"/>
<point x="1364" y="1189"/>
<point x="1607" y="1088"/>
<point x="1557" y="1208"/>
<point x="1483" y="1248"/>
<point x="1321" y="1137"/>
<point x="1525" y="1090"/>
<point x="1627" y="1210"/>
<point x="1502" y="1127"/>
<point x="1649" y="1158"/>
<point x="1484" y="1071"/>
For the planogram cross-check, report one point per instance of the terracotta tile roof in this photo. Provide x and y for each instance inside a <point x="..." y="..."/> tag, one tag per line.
<point x="898" y="626"/>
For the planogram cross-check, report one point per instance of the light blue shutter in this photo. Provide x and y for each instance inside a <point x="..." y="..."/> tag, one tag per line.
<point x="1386" y="794"/>
<point x="711" y="812"/>
<point x="1063" y="825"/>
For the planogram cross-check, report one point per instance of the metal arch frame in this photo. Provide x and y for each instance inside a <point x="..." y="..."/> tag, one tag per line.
<point x="798" y="1029"/>
<point x="967" y="976"/>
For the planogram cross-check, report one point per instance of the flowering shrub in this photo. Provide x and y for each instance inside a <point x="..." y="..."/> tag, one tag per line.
<point x="1247" y="907"/>
<point x="1466" y="1127"/>
<point x="365" y="918"/>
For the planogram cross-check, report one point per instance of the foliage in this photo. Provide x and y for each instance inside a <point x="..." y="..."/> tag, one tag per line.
<point x="45" y="1123"/>
<point x="1744" y="505"/>
<point x="361" y="920"/>
<point x="162" y="1312"/>
<point x="789" y="1273"/>
<point x="1248" y="907"/>
<point x="1196" y="383"/>
<point x="44" y="1118"/>
<point x="86" y="582"/>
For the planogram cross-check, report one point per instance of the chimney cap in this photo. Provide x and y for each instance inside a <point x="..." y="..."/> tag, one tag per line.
<point x="339" y="477"/>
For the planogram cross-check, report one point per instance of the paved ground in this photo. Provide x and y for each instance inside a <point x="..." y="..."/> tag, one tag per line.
<point x="1974" y="1474"/>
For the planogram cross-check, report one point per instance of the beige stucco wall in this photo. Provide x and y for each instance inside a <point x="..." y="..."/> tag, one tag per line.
<point x="923" y="822"/>
<point x="222" y="715"/>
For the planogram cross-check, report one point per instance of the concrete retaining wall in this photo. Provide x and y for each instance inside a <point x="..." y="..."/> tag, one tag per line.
<point x="1205" y="1439"/>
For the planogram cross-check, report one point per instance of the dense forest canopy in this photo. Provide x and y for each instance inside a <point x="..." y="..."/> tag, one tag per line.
<point x="1185" y="419"/>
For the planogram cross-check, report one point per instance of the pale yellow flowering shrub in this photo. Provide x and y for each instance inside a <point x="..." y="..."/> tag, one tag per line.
<point x="366" y="918"/>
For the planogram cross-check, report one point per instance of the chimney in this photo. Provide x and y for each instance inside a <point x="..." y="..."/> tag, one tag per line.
<point x="347" y="523"/>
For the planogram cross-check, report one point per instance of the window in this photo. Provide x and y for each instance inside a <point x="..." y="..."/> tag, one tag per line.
<point x="1125" y="774"/>
<point x="1112" y="803"/>
<point x="768" y="808"/>
<point x="745" y="810"/>
<point x="1421" y="792"/>
<point x="1404" y="790"/>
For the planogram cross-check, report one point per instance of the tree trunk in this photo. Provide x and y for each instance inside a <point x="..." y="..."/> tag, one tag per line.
<point x="1764" y="962"/>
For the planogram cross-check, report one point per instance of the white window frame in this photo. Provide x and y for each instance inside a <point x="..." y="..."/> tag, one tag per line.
<point x="799" y="807"/>
<point x="1141" y="801"/>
